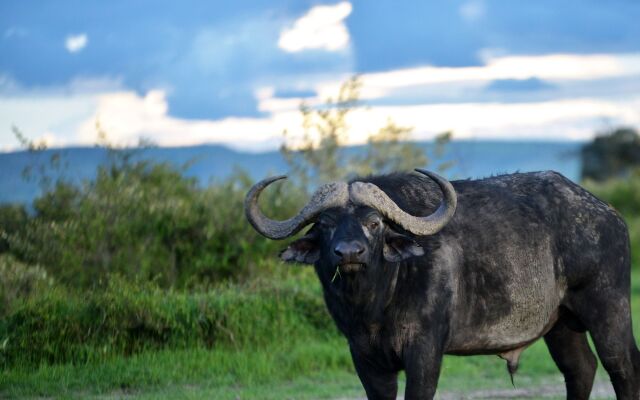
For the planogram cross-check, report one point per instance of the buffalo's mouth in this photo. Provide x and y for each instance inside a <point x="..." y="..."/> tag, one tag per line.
<point x="351" y="267"/>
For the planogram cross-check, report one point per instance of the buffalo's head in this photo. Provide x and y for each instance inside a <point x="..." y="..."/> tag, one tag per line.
<point x="353" y="225"/>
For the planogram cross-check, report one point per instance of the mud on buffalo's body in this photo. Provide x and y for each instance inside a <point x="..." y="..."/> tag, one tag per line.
<point x="414" y="268"/>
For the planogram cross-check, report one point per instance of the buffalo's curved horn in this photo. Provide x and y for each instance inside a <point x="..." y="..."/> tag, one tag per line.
<point x="327" y="196"/>
<point x="370" y="195"/>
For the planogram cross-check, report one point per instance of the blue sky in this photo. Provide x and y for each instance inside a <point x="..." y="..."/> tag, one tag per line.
<point x="189" y="72"/>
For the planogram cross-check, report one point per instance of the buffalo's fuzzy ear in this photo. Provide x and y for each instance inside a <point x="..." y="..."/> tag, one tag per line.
<point x="399" y="247"/>
<point x="304" y="250"/>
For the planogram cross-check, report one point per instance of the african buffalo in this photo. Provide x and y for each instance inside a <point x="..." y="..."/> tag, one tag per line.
<point x="414" y="268"/>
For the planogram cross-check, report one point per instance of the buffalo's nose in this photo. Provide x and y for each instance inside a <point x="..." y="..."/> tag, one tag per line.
<point x="349" y="250"/>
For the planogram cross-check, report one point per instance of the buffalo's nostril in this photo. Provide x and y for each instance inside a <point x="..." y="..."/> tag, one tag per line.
<point x="346" y="250"/>
<point x="342" y="249"/>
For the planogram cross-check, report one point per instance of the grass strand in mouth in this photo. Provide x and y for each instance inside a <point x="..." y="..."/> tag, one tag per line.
<point x="337" y="273"/>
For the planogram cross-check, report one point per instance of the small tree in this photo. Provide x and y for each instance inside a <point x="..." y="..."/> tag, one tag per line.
<point x="46" y="172"/>
<point x="320" y="154"/>
<point x="611" y="154"/>
<point x="318" y="157"/>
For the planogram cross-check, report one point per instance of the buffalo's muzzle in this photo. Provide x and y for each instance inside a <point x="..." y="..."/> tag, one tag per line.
<point x="349" y="268"/>
<point x="350" y="255"/>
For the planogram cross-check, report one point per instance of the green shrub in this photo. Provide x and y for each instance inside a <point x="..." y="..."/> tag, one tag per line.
<point x="56" y="325"/>
<point x="13" y="218"/>
<point x="19" y="281"/>
<point x="146" y="221"/>
<point x="624" y="195"/>
<point x="611" y="154"/>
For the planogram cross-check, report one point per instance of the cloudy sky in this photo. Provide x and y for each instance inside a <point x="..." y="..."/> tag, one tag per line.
<point x="188" y="72"/>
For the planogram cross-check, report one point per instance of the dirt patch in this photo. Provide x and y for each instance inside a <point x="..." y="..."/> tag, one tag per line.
<point x="601" y="390"/>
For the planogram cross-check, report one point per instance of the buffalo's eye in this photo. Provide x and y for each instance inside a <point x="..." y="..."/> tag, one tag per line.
<point x="373" y="225"/>
<point x="327" y="223"/>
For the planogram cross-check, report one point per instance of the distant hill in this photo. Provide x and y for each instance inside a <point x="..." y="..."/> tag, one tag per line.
<point x="472" y="159"/>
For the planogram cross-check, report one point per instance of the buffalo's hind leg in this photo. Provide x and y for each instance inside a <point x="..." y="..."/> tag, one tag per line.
<point x="570" y="350"/>
<point x="607" y="316"/>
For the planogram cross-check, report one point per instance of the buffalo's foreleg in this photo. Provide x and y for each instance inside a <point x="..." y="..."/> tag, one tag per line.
<point x="571" y="353"/>
<point x="422" y="367"/>
<point x="380" y="384"/>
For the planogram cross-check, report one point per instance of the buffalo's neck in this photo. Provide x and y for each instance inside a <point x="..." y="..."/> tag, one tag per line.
<point x="359" y="301"/>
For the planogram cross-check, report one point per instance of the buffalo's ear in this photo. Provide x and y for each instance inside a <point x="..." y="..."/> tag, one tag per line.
<point x="304" y="250"/>
<point x="399" y="247"/>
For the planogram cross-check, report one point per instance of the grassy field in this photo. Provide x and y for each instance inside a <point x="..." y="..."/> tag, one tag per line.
<point x="311" y="367"/>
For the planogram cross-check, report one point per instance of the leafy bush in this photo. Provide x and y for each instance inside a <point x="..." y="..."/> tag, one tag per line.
<point x="612" y="154"/>
<point x="18" y="281"/>
<point x="13" y="217"/>
<point x="624" y="195"/>
<point x="147" y="221"/>
<point x="60" y="326"/>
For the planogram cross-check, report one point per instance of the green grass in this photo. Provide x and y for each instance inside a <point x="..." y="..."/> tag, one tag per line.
<point x="60" y="326"/>
<point x="300" y="370"/>
<point x="226" y="373"/>
<point x="308" y="367"/>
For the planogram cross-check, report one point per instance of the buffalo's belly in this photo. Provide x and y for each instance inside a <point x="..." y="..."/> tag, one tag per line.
<point x="508" y="334"/>
<point x="516" y="313"/>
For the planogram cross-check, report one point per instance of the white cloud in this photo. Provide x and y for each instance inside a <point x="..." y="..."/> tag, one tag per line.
<point x="554" y="67"/>
<point x="126" y="116"/>
<point x="75" y="43"/>
<point x="53" y="117"/>
<point x="575" y="119"/>
<point x="592" y="90"/>
<point x="542" y="120"/>
<point x="595" y="91"/>
<point x="70" y="119"/>
<point x="321" y="28"/>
